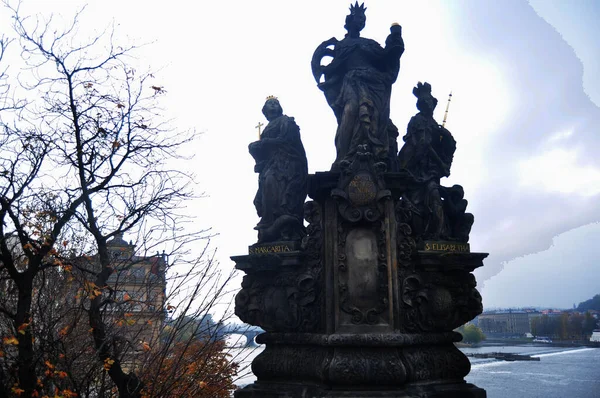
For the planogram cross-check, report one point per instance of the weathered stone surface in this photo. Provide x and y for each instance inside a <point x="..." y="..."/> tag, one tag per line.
<point x="339" y="360"/>
<point x="458" y="389"/>
<point x="279" y="295"/>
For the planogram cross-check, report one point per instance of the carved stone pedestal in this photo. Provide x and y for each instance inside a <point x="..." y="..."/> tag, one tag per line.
<point x="339" y="360"/>
<point x="459" y="389"/>
<point x="360" y="365"/>
<point x="359" y="310"/>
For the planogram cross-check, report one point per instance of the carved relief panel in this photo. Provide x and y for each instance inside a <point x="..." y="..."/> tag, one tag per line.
<point x="362" y="274"/>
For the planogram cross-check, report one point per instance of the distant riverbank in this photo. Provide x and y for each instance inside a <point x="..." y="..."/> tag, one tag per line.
<point x="513" y="342"/>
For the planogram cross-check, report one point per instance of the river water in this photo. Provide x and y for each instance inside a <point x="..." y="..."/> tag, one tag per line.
<point x="560" y="373"/>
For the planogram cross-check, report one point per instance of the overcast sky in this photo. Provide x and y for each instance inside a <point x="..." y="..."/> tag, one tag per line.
<point x="525" y="113"/>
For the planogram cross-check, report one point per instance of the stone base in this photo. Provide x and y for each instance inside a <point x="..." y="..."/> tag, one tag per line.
<point x="458" y="389"/>
<point x="303" y="365"/>
<point x="341" y="361"/>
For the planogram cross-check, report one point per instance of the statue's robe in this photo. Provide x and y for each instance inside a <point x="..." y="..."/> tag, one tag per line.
<point x="283" y="172"/>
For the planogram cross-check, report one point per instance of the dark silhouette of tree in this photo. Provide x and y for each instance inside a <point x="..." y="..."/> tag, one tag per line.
<point x="589" y="324"/>
<point x="85" y="157"/>
<point x="591" y="304"/>
<point x="197" y="369"/>
<point x="471" y="333"/>
<point x="568" y="325"/>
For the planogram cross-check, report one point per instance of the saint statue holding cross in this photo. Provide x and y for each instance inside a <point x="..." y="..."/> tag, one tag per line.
<point x="283" y="172"/>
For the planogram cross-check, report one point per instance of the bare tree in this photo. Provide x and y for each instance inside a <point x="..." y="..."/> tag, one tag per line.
<point x="85" y="159"/>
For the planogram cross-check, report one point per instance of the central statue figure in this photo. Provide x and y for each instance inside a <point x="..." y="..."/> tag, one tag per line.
<point x="357" y="85"/>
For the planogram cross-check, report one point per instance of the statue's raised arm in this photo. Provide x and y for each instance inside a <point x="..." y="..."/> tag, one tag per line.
<point x="394" y="48"/>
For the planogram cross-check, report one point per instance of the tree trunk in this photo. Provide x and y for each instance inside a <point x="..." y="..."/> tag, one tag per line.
<point x="26" y="372"/>
<point x="129" y="385"/>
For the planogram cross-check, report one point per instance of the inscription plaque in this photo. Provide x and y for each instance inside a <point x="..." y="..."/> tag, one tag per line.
<point x="275" y="247"/>
<point x="446" y="246"/>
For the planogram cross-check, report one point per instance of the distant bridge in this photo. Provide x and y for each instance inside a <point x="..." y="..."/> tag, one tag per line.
<point x="250" y="332"/>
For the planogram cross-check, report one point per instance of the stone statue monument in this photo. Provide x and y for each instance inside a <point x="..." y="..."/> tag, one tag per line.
<point x="363" y="302"/>
<point x="438" y="212"/>
<point x="282" y="167"/>
<point x="357" y="85"/>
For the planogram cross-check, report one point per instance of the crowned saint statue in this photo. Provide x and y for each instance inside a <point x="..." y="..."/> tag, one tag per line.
<point x="283" y="170"/>
<point x="357" y="85"/>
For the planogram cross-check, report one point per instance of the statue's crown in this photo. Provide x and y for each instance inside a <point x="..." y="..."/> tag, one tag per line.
<point x="356" y="9"/>
<point x="422" y="89"/>
<point x="271" y="97"/>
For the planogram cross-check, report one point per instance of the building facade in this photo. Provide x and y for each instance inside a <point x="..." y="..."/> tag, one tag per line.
<point x="138" y="285"/>
<point x="507" y="323"/>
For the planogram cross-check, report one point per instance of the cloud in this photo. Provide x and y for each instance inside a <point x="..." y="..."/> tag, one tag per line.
<point x="544" y="279"/>
<point x="568" y="176"/>
<point x="540" y="160"/>
<point x="577" y="23"/>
